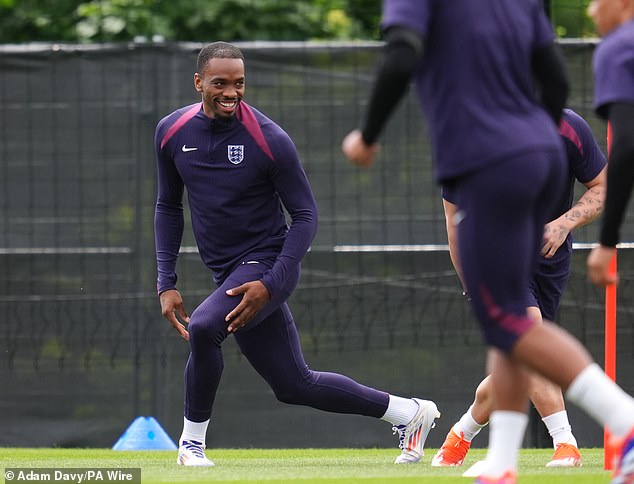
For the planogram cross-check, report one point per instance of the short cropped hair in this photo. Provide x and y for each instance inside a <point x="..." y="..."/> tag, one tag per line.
<point x="217" y="50"/>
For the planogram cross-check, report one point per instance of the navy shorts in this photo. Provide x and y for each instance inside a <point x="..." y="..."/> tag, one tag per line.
<point x="502" y="212"/>
<point x="548" y="284"/>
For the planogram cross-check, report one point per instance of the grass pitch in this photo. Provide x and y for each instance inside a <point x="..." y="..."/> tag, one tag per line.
<point x="305" y="466"/>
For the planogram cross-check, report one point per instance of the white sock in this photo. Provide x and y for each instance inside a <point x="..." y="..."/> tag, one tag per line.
<point x="559" y="428"/>
<point x="468" y="426"/>
<point x="194" y="431"/>
<point x="400" y="411"/>
<point x="505" y="438"/>
<point x="603" y="400"/>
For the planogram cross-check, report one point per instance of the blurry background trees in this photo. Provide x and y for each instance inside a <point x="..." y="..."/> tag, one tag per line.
<point x="570" y="19"/>
<point x="231" y="20"/>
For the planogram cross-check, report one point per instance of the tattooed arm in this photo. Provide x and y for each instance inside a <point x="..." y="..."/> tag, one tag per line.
<point x="588" y="208"/>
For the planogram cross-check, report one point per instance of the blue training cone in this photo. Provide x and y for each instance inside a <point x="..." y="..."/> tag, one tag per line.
<point x="145" y="433"/>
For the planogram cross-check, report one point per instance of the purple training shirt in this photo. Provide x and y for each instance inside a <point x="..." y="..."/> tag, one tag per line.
<point x="613" y="66"/>
<point x="472" y="81"/>
<point x="240" y="174"/>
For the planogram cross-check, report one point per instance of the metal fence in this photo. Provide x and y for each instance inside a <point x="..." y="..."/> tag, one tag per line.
<point x="85" y="348"/>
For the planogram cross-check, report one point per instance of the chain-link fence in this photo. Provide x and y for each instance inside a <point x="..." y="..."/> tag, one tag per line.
<point x="85" y="348"/>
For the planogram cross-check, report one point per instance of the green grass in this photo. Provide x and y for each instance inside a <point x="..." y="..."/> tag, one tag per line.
<point x="305" y="466"/>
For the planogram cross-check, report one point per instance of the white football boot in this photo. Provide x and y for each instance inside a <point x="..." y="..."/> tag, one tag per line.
<point x="192" y="453"/>
<point x="413" y="435"/>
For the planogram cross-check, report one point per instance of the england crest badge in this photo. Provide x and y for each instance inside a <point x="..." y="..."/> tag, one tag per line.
<point x="235" y="153"/>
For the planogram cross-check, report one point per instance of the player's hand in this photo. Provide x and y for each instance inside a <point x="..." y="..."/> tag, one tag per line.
<point x="171" y="306"/>
<point x="598" y="266"/>
<point x="357" y="151"/>
<point x="254" y="296"/>
<point x="554" y="236"/>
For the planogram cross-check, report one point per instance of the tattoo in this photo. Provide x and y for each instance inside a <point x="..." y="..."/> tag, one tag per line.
<point x="589" y="207"/>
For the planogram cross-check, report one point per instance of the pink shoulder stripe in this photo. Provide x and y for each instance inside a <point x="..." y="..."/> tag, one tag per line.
<point x="246" y="115"/>
<point x="566" y="130"/>
<point x="186" y="116"/>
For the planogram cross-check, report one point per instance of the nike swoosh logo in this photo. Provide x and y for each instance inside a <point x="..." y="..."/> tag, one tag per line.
<point x="186" y="149"/>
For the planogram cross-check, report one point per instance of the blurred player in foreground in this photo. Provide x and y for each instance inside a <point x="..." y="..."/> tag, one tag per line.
<point x="586" y="164"/>
<point x="241" y="170"/>
<point x="614" y="102"/>
<point x="492" y="84"/>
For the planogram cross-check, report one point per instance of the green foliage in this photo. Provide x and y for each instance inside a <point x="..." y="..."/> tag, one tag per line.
<point x="367" y="13"/>
<point x="37" y="20"/>
<point x="114" y="19"/>
<point x="231" y="20"/>
<point x="243" y="20"/>
<point x="570" y="18"/>
<point x="191" y="20"/>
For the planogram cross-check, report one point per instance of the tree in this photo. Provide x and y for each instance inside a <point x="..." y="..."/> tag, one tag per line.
<point x="231" y="20"/>
<point x="38" y="20"/>
<point x="570" y="18"/>
<point x="192" y="20"/>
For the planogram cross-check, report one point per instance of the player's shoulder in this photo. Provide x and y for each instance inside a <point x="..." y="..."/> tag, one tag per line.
<point x="623" y="36"/>
<point x="171" y="124"/>
<point x="618" y="45"/>
<point x="273" y="135"/>
<point x="171" y="118"/>
<point x="575" y="130"/>
<point x="266" y="124"/>
<point x="584" y="155"/>
<point x="574" y="119"/>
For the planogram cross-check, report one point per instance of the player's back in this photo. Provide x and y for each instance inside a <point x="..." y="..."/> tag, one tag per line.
<point x="475" y="81"/>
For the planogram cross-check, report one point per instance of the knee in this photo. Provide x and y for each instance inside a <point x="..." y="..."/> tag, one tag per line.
<point x="483" y="392"/>
<point x="293" y="392"/>
<point x="207" y="329"/>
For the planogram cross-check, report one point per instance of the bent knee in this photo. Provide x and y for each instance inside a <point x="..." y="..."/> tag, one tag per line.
<point x="210" y="330"/>
<point x="483" y="392"/>
<point x="295" y="392"/>
<point x="291" y="394"/>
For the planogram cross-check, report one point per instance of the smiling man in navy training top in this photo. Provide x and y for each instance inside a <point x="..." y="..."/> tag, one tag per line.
<point x="241" y="171"/>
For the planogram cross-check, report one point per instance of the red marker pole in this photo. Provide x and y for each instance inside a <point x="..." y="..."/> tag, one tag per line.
<point x="610" y="342"/>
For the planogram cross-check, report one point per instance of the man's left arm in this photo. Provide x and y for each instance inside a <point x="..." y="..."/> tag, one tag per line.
<point x="588" y="208"/>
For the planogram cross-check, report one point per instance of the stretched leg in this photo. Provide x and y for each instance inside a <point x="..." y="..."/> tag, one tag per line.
<point x="273" y="349"/>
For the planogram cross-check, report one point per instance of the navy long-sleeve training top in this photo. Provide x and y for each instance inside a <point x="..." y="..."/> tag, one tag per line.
<point x="239" y="174"/>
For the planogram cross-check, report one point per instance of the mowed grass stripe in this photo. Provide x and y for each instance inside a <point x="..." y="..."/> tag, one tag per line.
<point x="304" y="466"/>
